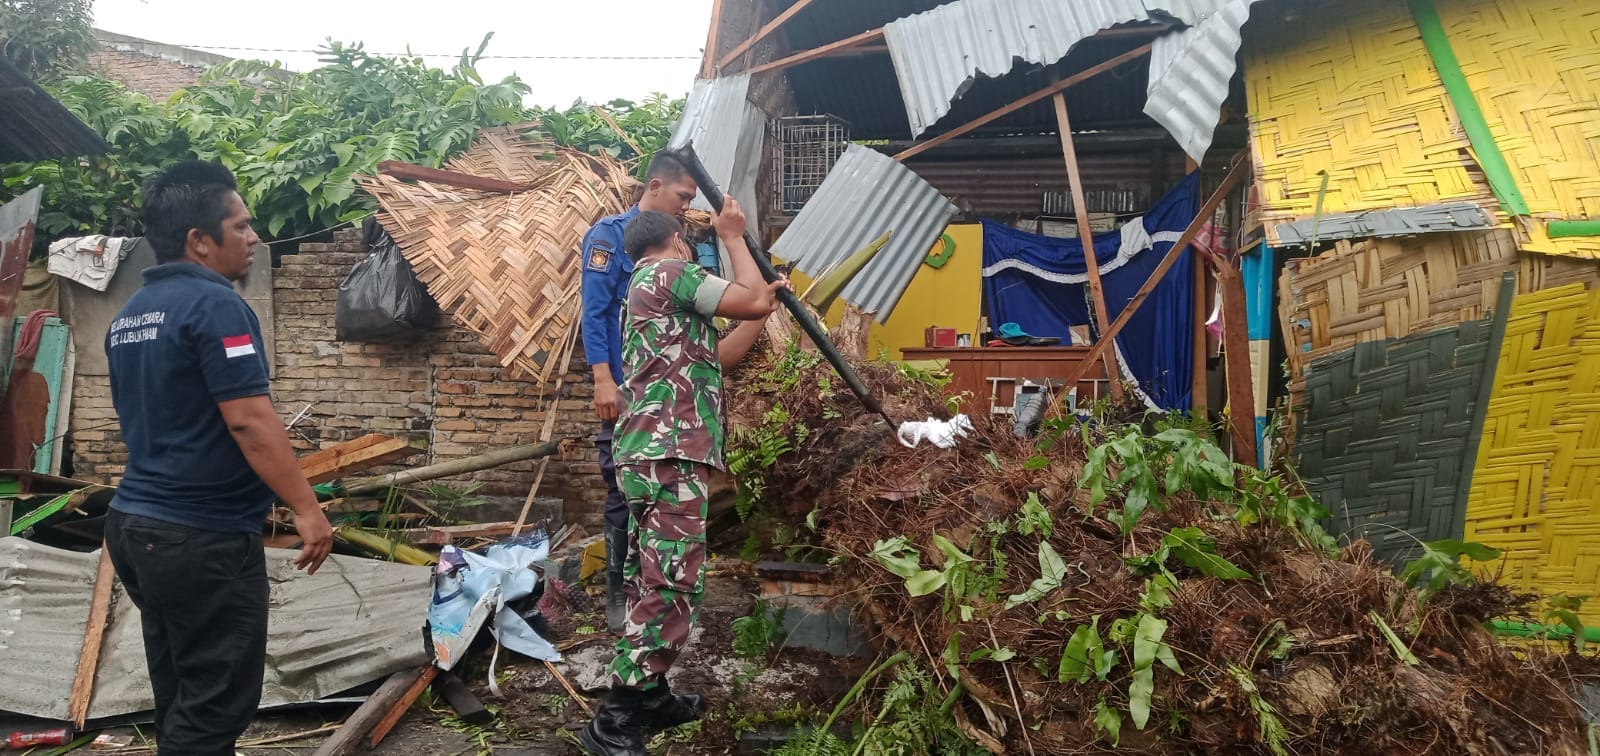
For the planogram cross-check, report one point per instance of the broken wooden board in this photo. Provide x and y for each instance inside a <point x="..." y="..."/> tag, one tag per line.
<point x="94" y="633"/>
<point x="348" y="737"/>
<point x="365" y="453"/>
<point x="444" y="535"/>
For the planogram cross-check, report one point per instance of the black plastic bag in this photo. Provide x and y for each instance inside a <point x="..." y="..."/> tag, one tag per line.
<point x="382" y="300"/>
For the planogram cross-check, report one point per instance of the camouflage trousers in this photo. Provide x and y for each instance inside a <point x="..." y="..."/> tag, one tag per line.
<point x="665" y="570"/>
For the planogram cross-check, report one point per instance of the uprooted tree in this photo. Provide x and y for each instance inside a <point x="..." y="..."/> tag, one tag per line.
<point x="1123" y="586"/>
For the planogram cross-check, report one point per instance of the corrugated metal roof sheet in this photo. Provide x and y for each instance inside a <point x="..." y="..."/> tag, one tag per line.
<point x="938" y="54"/>
<point x="355" y="621"/>
<point x="36" y="127"/>
<point x="726" y="130"/>
<point x="1448" y="216"/>
<point x="866" y="194"/>
<point x="1189" y="75"/>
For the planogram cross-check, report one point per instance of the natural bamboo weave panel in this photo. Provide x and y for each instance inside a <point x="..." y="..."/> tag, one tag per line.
<point x="1536" y="487"/>
<point x="1349" y="88"/>
<point x="507" y="266"/>
<point x="1534" y="68"/>
<point x="1386" y="430"/>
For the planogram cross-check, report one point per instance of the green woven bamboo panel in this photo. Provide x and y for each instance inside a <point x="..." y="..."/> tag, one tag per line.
<point x="1384" y="436"/>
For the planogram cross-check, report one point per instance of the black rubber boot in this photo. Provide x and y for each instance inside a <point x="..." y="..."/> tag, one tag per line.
<point x="662" y="709"/>
<point x="617" y="728"/>
<point x="616" y="601"/>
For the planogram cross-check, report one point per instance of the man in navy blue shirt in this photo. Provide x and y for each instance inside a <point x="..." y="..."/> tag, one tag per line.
<point x="207" y="455"/>
<point x="606" y="269"/>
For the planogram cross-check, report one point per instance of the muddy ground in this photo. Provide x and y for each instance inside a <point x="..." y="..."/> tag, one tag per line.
<point x="537" y="716"/>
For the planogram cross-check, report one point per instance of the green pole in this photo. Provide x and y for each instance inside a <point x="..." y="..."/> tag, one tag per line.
<point x="1568" y="229"/>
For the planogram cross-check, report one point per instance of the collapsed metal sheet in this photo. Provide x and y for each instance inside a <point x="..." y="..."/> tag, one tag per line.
<point x="940" y="53"/>
<point x="865" y="194"/>
<point x="1189" y="75"/>
<point x="1448" y="216"/>
<point x="727" y="131"/>
<point x="355" y="621"/>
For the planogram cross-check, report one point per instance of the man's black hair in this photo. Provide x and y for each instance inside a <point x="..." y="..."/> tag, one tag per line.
<point x="191" y="194"/>
<point x="648" y="231"/>
<point x="667" y="167"/>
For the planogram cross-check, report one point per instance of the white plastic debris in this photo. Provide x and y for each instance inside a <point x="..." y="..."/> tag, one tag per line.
<point x="940" y="433"/>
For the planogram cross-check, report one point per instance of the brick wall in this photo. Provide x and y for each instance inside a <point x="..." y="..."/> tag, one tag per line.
<point x="446" y="389"/>
<point x="153" y="76"/>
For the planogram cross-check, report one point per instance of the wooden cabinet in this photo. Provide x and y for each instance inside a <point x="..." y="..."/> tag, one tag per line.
<point x="990" y="375"/>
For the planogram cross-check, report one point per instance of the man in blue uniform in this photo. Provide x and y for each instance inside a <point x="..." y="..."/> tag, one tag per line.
<point x="207" y="455"/>
<point x="606" y="269"/>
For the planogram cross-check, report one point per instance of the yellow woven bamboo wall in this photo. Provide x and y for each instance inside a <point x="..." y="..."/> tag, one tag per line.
<point x="1349" y="88"/>
<point x="1536" y="486"/>
<point x="1534" y="67"/>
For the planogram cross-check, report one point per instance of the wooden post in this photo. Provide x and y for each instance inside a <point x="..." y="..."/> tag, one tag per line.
<point x="1199" y="386"/>
<point x="709" y="58"/>
<point x="1060" y="86"/>
<point x="819" y="52"/>
<point x="1080" y="208"/>
<point x="761" y="34"/>
<point x="401" y="706"/>
<point x="93" y="633"/>
<point x="1236" y="346"/>
<point x="377" y="705"/>
<point x="1235" y="176"/>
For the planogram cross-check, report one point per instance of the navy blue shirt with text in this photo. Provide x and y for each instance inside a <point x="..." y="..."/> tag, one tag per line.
<point x="183" y="343"/>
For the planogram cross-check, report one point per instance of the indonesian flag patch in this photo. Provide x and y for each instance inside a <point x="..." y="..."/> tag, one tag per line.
<point x="238" y="346"/>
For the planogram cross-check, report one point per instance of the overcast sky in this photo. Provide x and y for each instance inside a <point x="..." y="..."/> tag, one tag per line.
<point x="554" y="28"/>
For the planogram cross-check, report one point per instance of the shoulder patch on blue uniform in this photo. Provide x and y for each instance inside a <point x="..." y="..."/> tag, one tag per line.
<point x="599" y="257"/>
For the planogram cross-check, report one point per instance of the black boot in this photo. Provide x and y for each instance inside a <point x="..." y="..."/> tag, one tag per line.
<point x="617" y="728"/>
<point x="616" y="601"/>
<point x="662" y="709"/>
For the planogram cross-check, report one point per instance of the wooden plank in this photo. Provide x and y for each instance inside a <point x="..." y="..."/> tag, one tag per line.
<point x="401" y="706"/>
<point x="456" y="693"/>
<point x="349" y="736"/>
<point x="1086" y="237"/>
<point x="415" y="172"/>
<point x="819" y="52"/>
<point x="713" y="36"/>
<point x="365" y="453"/>
<point x="993" y="115"/>
<point x="443" y="535"/>
<point x="1236" y="175"/>
<point x="1199" y="386"/>
<point x="94" y="632"/>
<point x="1236" y="350"/>
<point x="763" y="32"/>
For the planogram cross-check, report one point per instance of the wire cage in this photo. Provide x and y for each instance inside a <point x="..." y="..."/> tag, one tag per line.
<point x="808" y="146"/>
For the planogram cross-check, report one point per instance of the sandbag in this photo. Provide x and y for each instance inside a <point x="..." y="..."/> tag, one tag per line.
<point x="382" y="300"/>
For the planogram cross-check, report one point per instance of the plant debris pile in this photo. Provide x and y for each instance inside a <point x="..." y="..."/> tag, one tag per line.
<point x="1114" y="586"/>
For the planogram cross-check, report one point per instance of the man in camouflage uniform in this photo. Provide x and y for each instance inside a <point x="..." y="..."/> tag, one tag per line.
<point x="668" y="440"/>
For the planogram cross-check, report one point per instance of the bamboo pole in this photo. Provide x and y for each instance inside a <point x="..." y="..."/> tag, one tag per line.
<point x="1080" y="208"/>
<point x="454" y="467"/>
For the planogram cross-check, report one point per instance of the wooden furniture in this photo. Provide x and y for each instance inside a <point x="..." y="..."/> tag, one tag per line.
<point x="989" y="376"/>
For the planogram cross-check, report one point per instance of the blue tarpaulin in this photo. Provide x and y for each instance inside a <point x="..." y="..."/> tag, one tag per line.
<point x="1040" y="283"/>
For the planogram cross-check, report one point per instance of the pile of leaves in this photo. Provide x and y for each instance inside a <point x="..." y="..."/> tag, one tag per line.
<point x="1110" y="586"/>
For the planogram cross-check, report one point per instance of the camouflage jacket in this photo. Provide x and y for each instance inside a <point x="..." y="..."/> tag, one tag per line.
<point x="672" y="380"/>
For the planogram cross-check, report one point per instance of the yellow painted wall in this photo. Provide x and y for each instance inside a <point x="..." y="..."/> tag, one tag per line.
<point x="1349" y="88"/>
<point x="948" y="297"/>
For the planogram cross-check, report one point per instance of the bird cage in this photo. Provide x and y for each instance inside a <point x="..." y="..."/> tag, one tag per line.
<point x="808" y="146"/>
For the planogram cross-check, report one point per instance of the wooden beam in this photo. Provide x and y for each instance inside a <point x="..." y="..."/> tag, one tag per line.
<point x="763" y="32"/>
<point x="1199" y="386"/>
<point x="89" y="656"/>
<point x="365" y="453"/>
<point x="415" y="172"/>
<point x="1234" y="178"/>
<point x="454" y="467"/>
<point x="443" y="535"/>
<point x="819" y="52"/>
<point x="1080" y="208"/>
<point x="348" y="737"/>
<point x="993" y="115"/>
<point x="401" y="706"/>
<point x="1236" y="349"/>
<point x="713" y="36"/>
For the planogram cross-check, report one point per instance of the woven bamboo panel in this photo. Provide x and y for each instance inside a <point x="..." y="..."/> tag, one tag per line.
<point x="1349" y="88"/>
<point x="1386" y="431"/>
<point x="1536" y="489"/>
<point x="1534" y="68"/>
<point x="1386" y="289"/>
<point x="507" y="266"/>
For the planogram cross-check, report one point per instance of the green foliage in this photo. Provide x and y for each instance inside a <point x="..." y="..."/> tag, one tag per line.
<point x="1174" y="461"/>
<point x="759" y="631"/>
<point x="1399" y="646"/>
<point x="1440" y="566"/>
<point x="1033" y="518"/>
<point x="898" y="556"/>
<point x="1108" y="721"/>
<point x="1052" y="569"/>
<point x="1268" y="727"/>
<point x="1565" y="608"/>
<point x="47" y="39"/>
<point x="1086" y="655"/>
<point x="756" y="450"/>
<point x="1195" y="549"/>
<point x="1148" y="648"/>
<point x="1266" y="499"/>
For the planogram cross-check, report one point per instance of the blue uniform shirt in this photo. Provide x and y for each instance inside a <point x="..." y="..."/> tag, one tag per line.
<point x="606" y="269"/>
<point x="183" y="343"/>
